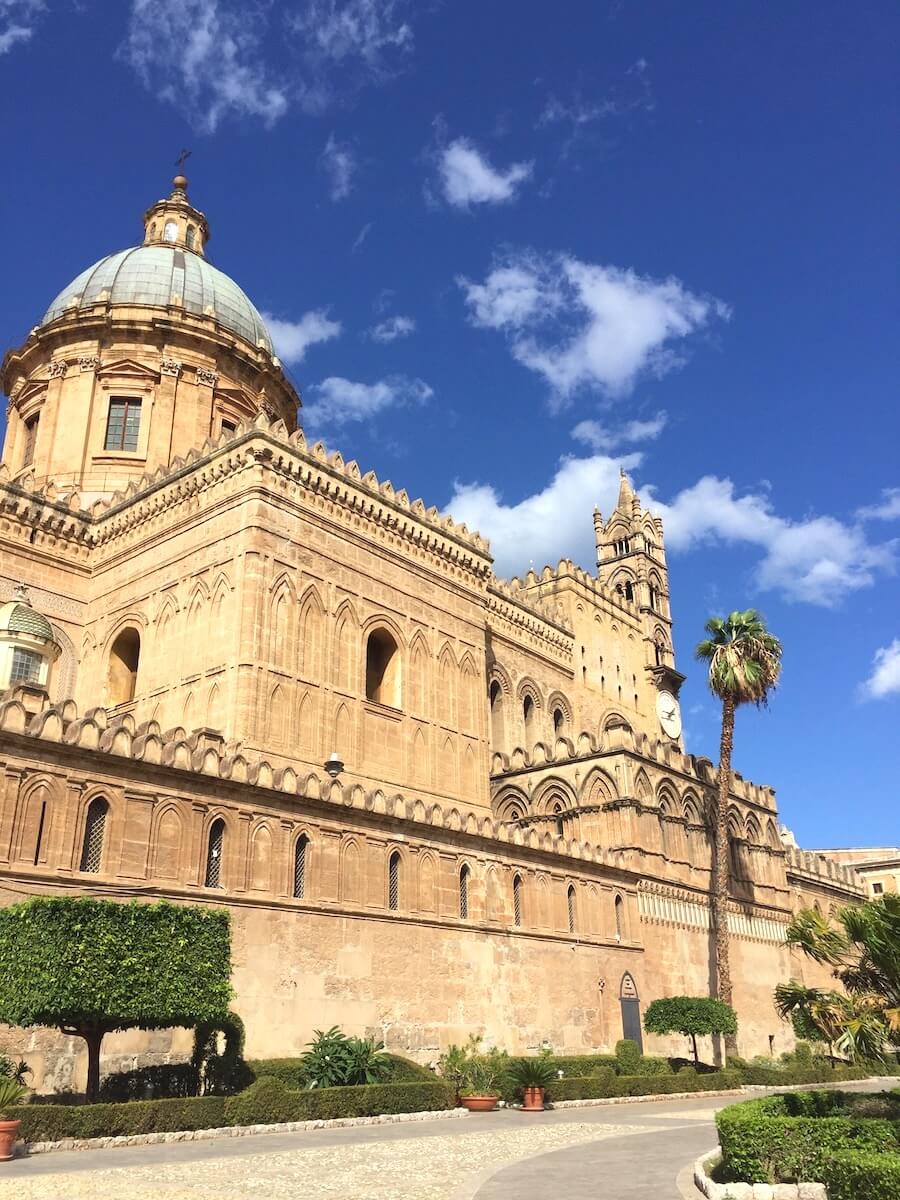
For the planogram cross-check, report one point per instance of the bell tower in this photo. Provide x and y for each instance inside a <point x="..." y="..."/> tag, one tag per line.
<point x="631" y="560"/>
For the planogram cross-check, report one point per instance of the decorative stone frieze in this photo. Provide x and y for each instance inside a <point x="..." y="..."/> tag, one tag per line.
<point x="58" y="369"/>
<point x="88" y="362"/>
<point x="207" y="376"/>
<point x="171" y="366"/>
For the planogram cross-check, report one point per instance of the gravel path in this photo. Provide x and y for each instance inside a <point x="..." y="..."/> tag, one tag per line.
<point x="411" y="1168"/>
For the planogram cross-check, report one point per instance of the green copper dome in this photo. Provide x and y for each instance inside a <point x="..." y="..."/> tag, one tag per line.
<point x="16" y="617"/>
<point x="160" y="275"/>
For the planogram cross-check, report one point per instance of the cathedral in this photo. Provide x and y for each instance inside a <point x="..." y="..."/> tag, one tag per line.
<point x="238" y="670"/>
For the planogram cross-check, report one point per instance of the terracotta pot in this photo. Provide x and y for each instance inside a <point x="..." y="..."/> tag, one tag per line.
<point x="479" y="1103"/>
<point x="9" y="1131"/>
<point x="533" y="1099"/>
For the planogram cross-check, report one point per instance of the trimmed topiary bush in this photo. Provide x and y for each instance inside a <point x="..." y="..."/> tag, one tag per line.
<point x="691" y="1016"/>
<point x="628" y="1054"/>
<point x="268" y="1101"/>
<point x="601" y="1086"/>
<point x="172" y="1080"/>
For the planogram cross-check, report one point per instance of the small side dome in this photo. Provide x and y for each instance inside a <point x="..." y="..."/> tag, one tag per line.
<point x="27" y="644"/>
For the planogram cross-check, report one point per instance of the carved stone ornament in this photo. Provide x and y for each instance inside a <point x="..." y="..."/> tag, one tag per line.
<point x="89" y="362"/>
<point x="265" y="405"/>
<point x="171" y="366"/>
<point x="207" y="376"/>
<point x="58" y="369"/>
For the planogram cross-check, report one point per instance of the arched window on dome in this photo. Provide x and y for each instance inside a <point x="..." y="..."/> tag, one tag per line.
<point x="170" y="232"/>
<point x="190" y="236"/>
<point x="31" y="428"/>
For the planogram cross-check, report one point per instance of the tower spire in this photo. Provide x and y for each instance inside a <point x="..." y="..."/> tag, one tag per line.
<point x="626" y="493"/>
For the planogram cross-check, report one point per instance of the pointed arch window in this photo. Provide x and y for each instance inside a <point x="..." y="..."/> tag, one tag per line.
<point x="94" y="832"/>
<point x="619" y="909"/>
<point x="214" y="848"/>
<point x="559" y="722"/>
<point x="517" y="899"/>
<point x="570" y="904"/>
<point x="124" y="660"/>
<point x="559" y="819"/>
<point x="394" y="881"/>
<point x="464" y="875"/>
<point x="654" y="597"/>
<point x="382" y="669"/>
<point x="529" y="717"/>
<point x="300" y="852"/>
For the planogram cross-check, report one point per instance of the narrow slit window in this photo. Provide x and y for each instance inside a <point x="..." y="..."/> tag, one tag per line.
<point x="123" y="424"/>
<point x="215" y="846"/>
<point x="464" y="893"/>
<point x="619" y="907"/>
<point x="394" y="881"/>
<point x="570" y="904"/>
<point x="300" y="866"/>
<point x="31" y="428"/>
<point x="517" y="900"/>
<point x="94" y="829"/>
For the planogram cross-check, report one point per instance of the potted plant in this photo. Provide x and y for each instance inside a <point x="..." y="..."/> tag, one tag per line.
<point x="11" y="1093"/>
<point x="531" y="1076"/>
<point x="479" y="1091"/>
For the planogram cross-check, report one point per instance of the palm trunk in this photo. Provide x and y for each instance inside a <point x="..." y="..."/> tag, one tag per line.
<point x="720" y="881"/>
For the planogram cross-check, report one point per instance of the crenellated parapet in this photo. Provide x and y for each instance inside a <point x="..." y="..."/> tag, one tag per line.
<point x="108" y="736"/>
<point x="604" y="598"/>
<point x="43" y="516"/>
<point x="519" y="618"/>
<point x="815" y="870"/>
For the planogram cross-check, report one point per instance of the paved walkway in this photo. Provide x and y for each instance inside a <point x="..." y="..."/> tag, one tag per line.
<point x="615" y="1152"/>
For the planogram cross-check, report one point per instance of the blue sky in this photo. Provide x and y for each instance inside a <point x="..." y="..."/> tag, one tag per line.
<point x="505" y="248"/>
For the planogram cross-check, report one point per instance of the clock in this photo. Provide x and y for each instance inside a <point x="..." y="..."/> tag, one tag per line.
<point x="669" y="714"/>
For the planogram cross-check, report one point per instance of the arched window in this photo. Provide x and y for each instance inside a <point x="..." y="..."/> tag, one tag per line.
<point x="31" y="428"/>
<point x="559" y="722"/>
<point x="170" y="232"/>
<point x="189" y="237"/>
<point x="619" y="908"/>
<point x="628" y="590"/>
<point x="394" y="881"/>
<point x="214" y="848"/>
<point x="300" y="866"/>
<point x="559" y="820"/>
<point x="94" y="830"/>
<point x="382" y="669"/>
<point x="152" y="230"/>
<point x="570" y="903"/>
<point x="464" y="893"/>
<point x="659" y="652"/>
<point x="517" y="899"/>
<point x="124" y="657"/>
<point x="528" y="713"/>
<point x="654" y="596"/>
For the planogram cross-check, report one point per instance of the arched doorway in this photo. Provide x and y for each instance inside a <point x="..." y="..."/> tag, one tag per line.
<point x="631" y="1010"/>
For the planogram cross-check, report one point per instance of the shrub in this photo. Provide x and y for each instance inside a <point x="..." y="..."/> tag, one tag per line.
<point x="226" y="1073"/>
<point x="268" y="1101"/>
<point x="862" y="1175"/>
<point x="628" y="1054"/>
<point x="776" y="1076"/>
<point x="525" y="1073"/>
<point x="145" y="1083"/>
<point x="763" y="1143"/>
<point x="652" y="1065"/>
<point x="51" y="1122"/>
<point x="333" y="1059"/>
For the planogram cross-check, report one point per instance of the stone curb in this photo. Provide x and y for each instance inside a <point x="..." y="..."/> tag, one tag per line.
<point x="751" y="1089"/>
<point x="751" y="1191"/>
<point x="196" y="1135"/>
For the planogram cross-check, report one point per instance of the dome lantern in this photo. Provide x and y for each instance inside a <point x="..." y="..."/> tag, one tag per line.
<point x="175" y="221"/>
<point x="28" y="647"/>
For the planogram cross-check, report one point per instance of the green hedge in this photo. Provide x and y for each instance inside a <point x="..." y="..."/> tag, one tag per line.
<point x="605" y="1084"/>
<point x="290" y="1070"/>
<point x="51" y="1122"/>
<point x="792" y="1076"/>
<point x="268" y="1101"/>
<point x="862" y="1175"/>
<point x="763" y="1143"/>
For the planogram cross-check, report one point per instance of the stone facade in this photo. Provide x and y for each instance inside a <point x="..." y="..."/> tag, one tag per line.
<point x="517" y="843"/>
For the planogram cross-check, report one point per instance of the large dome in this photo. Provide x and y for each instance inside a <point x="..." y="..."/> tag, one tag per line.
<point x="160" y="275"/>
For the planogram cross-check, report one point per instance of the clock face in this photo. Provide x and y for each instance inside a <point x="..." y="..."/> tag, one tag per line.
<point x="669" y="714"/>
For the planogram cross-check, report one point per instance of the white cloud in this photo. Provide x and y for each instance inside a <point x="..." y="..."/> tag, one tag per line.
<point x="293" y="338"/>
<point x="580" y="325"/>
<point x="392" y="328"/>
<point x="17" y="21"/>
<point x="204" y="57"/>
<point x="345" y="44"/>
<point x="885" y="677"/>
<point x="338" y="161"/>
<point x="818" y="560"/>
<point x="601" y="437"/>
<point x="887" y="510"/>
<point x="631" y="93"/>
<point x="361" y="236"/>
<point x="467" y="177"/>
<point x="337" y="402"/>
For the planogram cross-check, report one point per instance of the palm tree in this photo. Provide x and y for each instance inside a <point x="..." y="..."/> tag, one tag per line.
<point x="744" y="664"/>
<point x="863" y="950"/>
